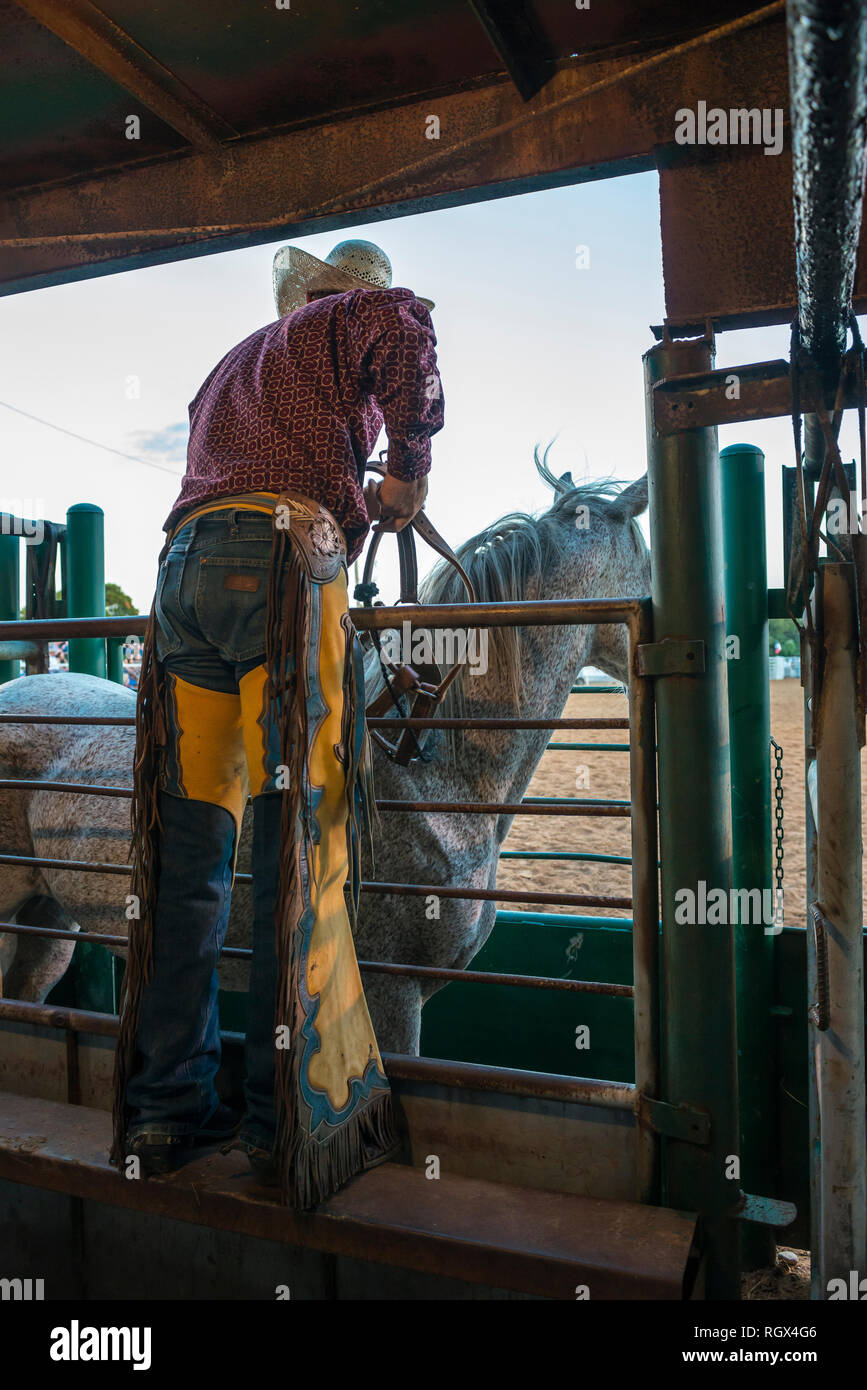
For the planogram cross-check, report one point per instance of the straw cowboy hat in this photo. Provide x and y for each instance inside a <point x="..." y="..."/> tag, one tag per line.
<point x="352" y="265"/>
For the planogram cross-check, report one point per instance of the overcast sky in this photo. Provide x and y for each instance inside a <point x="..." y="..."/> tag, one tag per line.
<point x="530" y="346"/>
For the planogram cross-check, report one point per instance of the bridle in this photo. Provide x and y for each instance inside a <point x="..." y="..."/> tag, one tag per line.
<point x="418" y="689"/>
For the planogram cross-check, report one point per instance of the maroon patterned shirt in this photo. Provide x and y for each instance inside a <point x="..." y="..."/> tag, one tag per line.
<point x="300" y="403"/>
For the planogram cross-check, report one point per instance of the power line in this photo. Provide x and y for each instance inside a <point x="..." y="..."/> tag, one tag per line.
<point x="94" y="443"/>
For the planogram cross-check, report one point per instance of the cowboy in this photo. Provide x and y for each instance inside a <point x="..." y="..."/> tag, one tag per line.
<point x="252" y="682"/>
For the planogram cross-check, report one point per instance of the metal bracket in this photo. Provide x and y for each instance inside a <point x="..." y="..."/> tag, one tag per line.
<point x="671" y="657"/>
<point x="766" y="1211"/>
<point x="682" y="1122"/>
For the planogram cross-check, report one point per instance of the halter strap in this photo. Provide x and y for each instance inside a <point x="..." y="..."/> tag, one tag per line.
<point x="424" y="696"/>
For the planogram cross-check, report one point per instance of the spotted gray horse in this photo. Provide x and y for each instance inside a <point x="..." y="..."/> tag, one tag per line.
<point x="586" y="546"/>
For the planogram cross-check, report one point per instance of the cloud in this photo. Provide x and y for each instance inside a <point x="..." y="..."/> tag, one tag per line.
<point x="168" y="444"/>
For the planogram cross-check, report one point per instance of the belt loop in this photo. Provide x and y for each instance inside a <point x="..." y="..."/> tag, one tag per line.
<point x="188" y="533"/>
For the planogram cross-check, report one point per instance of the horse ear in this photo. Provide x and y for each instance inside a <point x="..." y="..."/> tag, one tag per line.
<point x="565" y="483"/>
<point x="632" y="501"/>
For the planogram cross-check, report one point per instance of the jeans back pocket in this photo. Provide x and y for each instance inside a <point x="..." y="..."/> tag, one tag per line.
<point x="230" y="603"/>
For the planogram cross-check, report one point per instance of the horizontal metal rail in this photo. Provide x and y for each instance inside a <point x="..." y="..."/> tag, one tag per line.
<point x="588" y="748"/>
<point x="384" y="723"/>
<point x="606" y="1095"/>
<point x="577" y="807"/>
<point x="403" y="969"/>
<point x="435" y="722"/>
<point x="96" y="938"/>
<point x="95" y="866"/>
<point x="406" y="890"/>
<point x="492" y="895"/>
<point x="574" y="801"/>
<point x="609" y="1095"/>
<point x="508" y="808"/>
<point x="543" y="613"/>
<point x="85" y="720"/>
<point x="572" y="854"/>
<point x="482" y="977"/>
<point x="699" y="399"/>
<point x="23" y="784"/>
<point x="57" y="1016"/>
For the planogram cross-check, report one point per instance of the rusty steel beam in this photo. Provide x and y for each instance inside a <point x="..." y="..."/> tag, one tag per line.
<point x="712" y="267"/>
<point x="599" y="117"/>
<point x="699" y="399"/>
<point x="758" y="391"/>
<point x="517" y="43"/>
<point x="828" y="77"/>
<point x="102" y="42"/>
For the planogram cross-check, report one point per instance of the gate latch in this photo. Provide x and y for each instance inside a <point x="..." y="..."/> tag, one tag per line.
<point x="684" y="1122"/>
<point x="765" y="1211"/>
<point x="672" y="656"/>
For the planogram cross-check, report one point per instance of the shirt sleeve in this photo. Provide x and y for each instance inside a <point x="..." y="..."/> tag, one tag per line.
<point x="397" y="365"/>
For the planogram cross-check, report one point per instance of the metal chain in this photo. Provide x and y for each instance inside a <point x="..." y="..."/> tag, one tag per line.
<point x="778" y="813"/>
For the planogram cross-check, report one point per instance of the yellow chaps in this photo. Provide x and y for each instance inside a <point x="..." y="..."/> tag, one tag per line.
<point x="220" y="750"/>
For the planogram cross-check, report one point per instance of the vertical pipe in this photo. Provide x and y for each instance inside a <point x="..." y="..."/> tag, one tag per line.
<point x="645" y="899"/>
<point x="10" y="595"/>
<point x="114" y="650"/>
<point x="699" y="1058"/>
<point x="85" y="559"/>
<point x="828" y="101"/>
<point x="812" y="880"/>
<point x="63" y="603"/>
<point x="746" y="588"/>
<point x="839" y="1051"/>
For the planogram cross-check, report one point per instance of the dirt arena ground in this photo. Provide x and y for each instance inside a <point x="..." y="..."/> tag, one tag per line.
<point x="608" y="776"/>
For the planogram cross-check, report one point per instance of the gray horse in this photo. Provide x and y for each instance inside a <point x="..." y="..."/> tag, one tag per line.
<point x="588" y="545"/>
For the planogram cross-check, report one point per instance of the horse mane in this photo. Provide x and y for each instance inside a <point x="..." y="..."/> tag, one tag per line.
<point x="500" y="561"/>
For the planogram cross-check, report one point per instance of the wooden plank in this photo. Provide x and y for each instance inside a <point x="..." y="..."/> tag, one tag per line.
<point x="545" y="1243"/>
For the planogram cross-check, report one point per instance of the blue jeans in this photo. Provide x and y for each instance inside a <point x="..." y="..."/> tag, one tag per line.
<point x="210" y="608"/>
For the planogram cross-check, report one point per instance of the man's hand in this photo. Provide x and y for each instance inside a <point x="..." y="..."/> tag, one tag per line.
<point x="393" y="503"/>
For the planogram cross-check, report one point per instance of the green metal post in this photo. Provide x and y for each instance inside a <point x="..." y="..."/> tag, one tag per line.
<point x="10" y="596"/>
<point x="699" y="1046"/>
<point x="114" y="647"/>
<point x="85" y="561"/>
<point x="746" y="585"/>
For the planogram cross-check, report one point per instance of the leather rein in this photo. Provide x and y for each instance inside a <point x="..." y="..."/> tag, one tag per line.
<point x="421" y="687"/>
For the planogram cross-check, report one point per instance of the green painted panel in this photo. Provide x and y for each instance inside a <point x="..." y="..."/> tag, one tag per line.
<point x="536" y="1029"/>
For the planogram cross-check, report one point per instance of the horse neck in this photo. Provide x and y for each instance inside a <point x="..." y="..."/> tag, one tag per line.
<point x="499" y="765"/>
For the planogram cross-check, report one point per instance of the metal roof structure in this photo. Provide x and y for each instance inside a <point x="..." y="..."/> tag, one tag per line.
<point x="134" y="134"/>
<point x="137" y="133"/>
